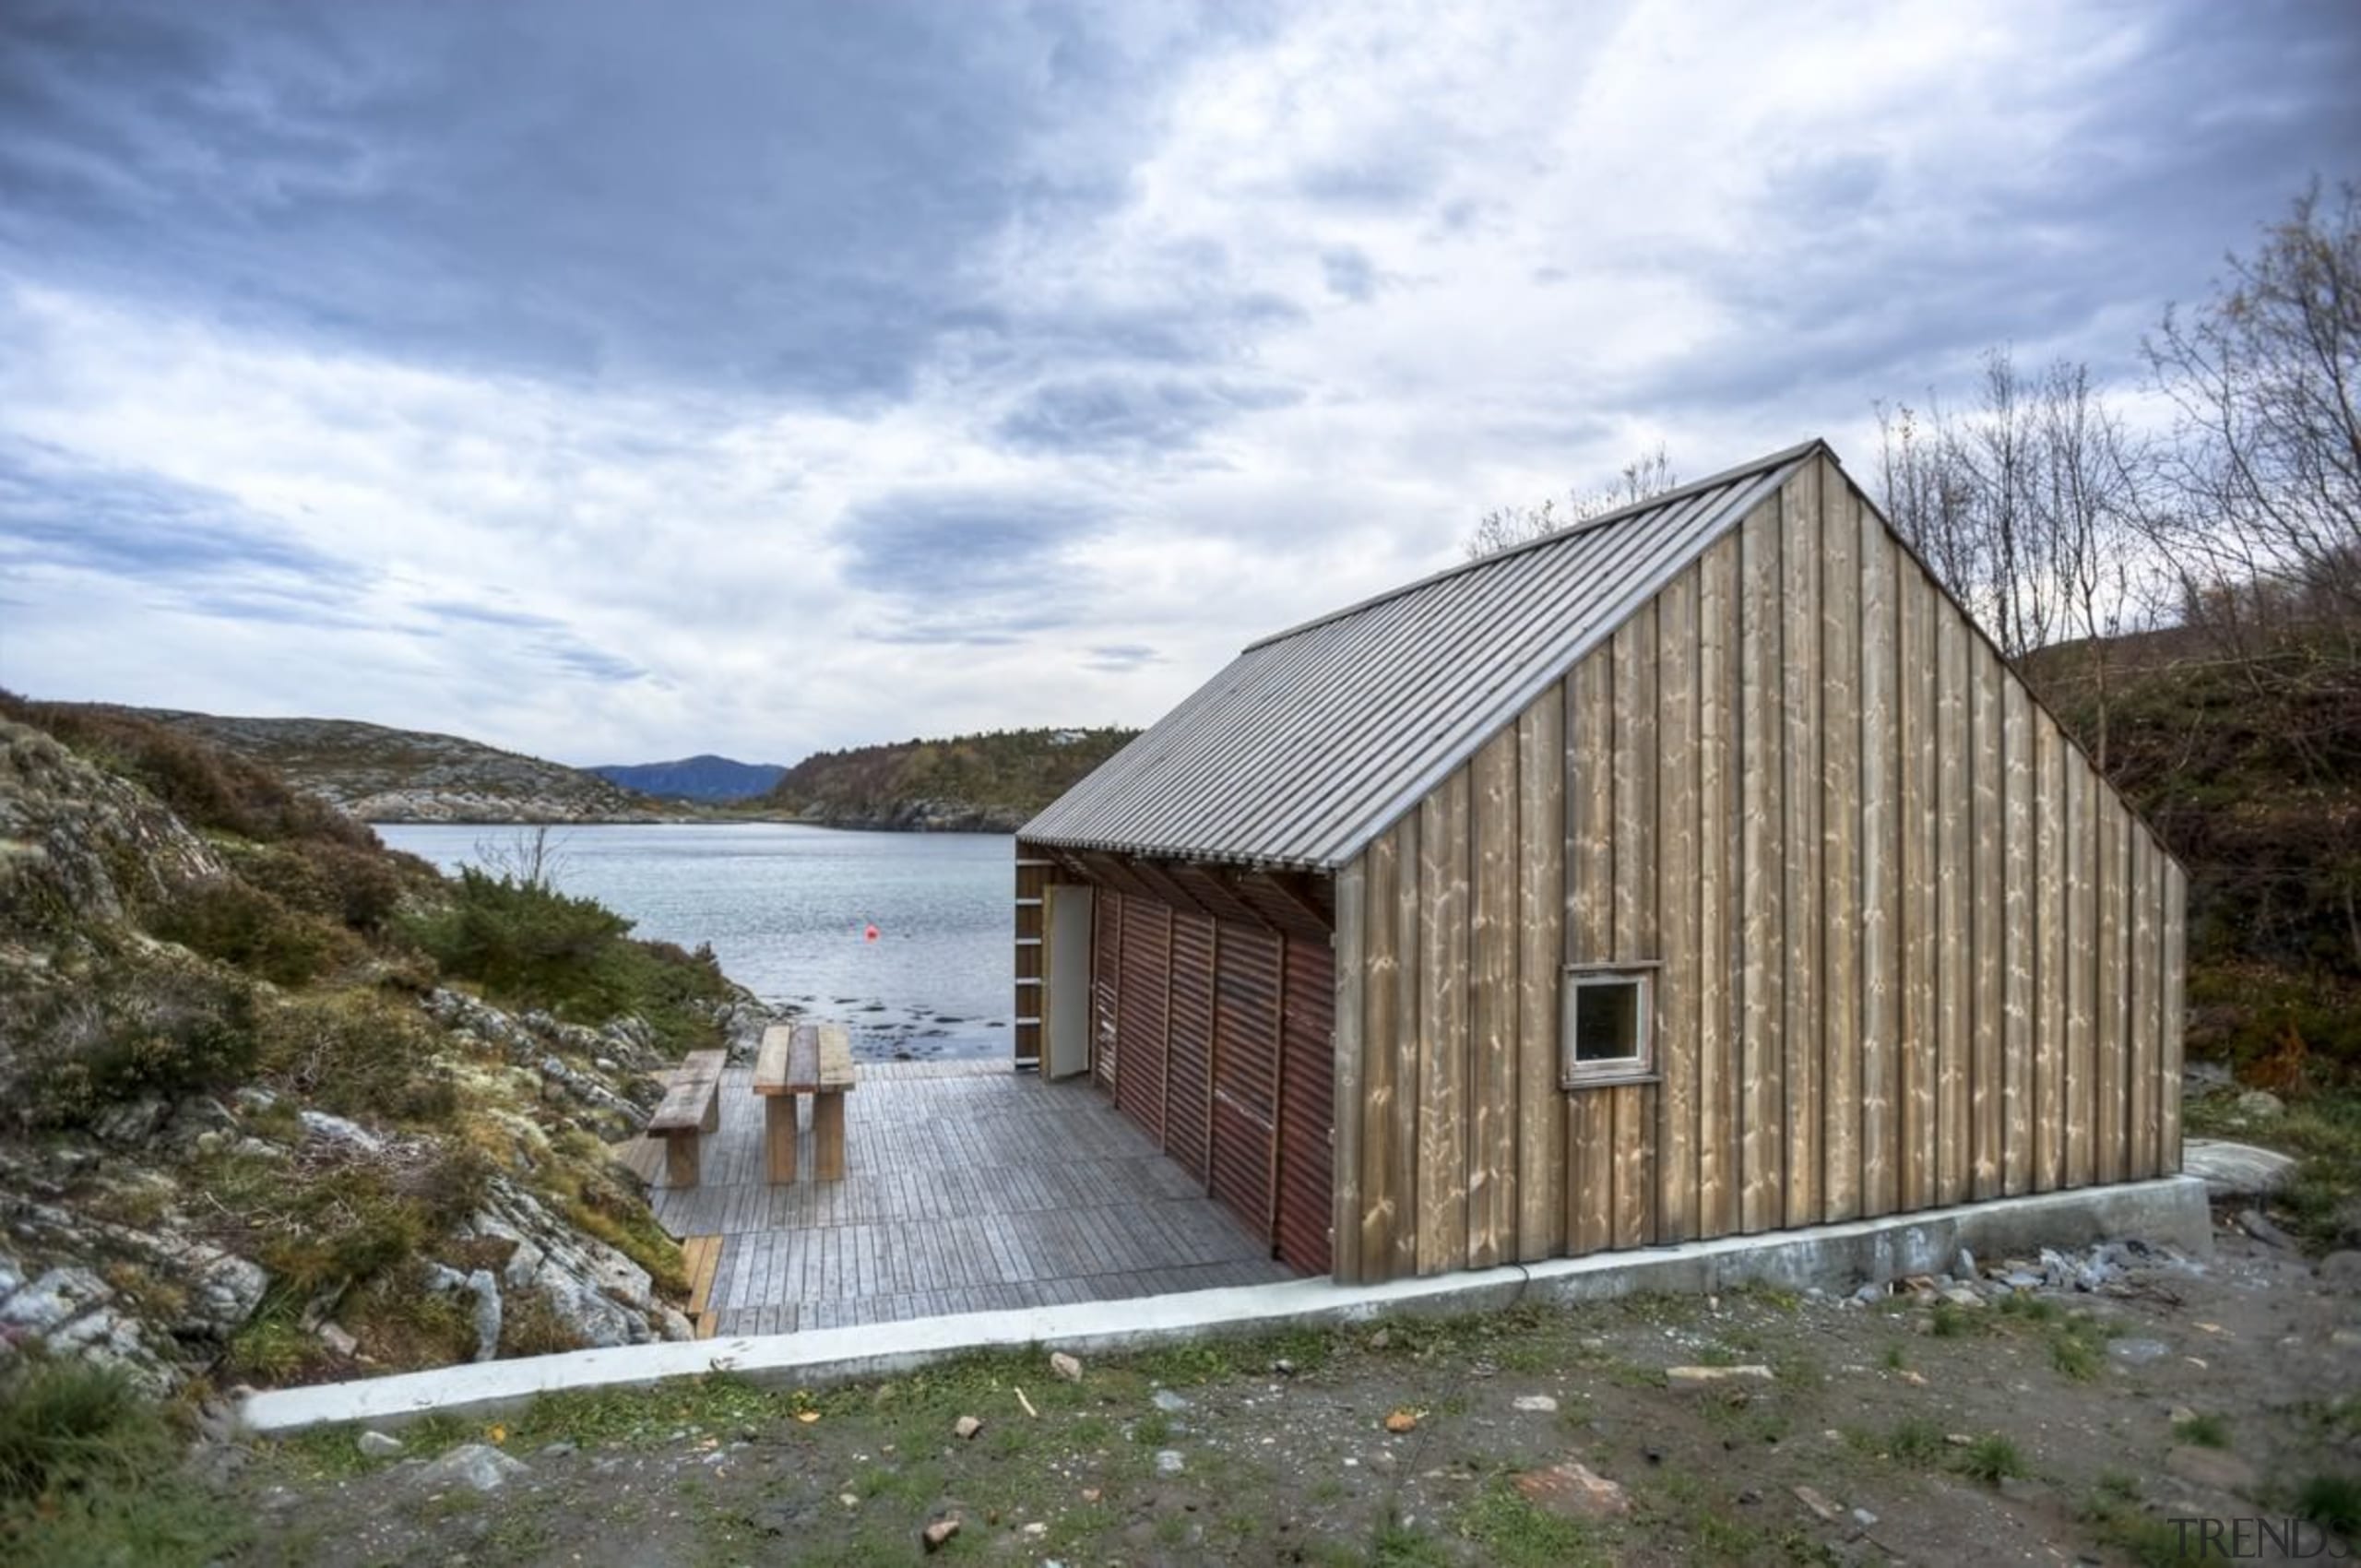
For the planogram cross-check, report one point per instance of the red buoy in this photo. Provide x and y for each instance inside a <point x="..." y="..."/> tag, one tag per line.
<point x="869" y="935"/>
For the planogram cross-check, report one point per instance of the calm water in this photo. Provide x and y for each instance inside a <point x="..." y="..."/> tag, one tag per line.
<point x="786" y="910"/>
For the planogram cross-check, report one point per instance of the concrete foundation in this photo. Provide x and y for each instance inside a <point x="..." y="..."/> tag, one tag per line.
<point x="1836" y="1258"/>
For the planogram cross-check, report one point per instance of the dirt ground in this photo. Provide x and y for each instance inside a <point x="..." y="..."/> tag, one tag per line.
<point x="2040" y="1426"/>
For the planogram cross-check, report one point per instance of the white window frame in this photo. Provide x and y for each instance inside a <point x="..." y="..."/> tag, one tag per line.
<point x="1640" y="1068"/>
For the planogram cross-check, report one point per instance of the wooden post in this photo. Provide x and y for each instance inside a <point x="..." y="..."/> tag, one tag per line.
<point x="778" y="1137"/>
<point x="827" y="1137"/>
<point x="680" y="1159"/>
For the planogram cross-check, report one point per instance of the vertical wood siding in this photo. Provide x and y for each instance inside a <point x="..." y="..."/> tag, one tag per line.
<point x="1909" y="950"/>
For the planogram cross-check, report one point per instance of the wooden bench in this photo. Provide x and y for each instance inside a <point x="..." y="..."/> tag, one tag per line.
<point x="692" y="1107"/>
<point x="801" y="1059"/>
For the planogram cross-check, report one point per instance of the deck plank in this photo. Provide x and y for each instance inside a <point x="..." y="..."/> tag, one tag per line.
<point x="969" y="1188"/>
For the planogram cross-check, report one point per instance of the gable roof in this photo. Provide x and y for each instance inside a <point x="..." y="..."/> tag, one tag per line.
<point x="1312" y="742"/>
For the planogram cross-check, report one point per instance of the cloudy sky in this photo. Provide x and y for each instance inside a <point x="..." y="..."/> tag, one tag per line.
<point x="614" y="381"/>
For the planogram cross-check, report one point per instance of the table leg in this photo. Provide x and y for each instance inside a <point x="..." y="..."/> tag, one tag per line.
<point x="778" y="1135"/>
<point x="680" y="1159"/>
<point x="827" y="1137"/>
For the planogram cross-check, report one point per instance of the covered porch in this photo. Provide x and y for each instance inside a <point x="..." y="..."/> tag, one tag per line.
<point x="969" y="1188"/>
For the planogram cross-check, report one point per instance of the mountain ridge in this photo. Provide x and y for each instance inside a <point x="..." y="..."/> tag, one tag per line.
<point x="707" y="776"/>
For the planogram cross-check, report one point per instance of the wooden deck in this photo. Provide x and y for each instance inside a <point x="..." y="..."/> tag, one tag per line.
<point x="969" y="1188"/>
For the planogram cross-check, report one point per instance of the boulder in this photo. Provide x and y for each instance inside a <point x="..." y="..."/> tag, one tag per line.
<point x="602" y="1296"/>
<point x="2236" y="1171"/>
<point x="479" y="1466"/>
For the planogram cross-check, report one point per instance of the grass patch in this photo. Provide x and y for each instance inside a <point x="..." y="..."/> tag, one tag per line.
<point x="1916" y="1442"/>
<point x="2334" y="1502"/>
<point x="1991" y="1459"/>
<point x="89" y="1474"/>
<point x="1397" y="1545"/>
<point x="2207" y="1430"/>
<point x="1515" y="1534"/>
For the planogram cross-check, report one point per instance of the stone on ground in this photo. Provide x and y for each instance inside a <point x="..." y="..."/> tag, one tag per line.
<point x="2215" y="1468"/>
<point x="1575" y="1490"/>
<point x="937" y="1534"/>
<point x="2236" y="1171"/>
<point x="1705" y="1377"/>
<point x="1065" y="1366"/>
<point x="478" y="1465"/>
<point x="1543" y="1403"/>
<point x="379" y="1445"/>
<point x="966" y="1427"/>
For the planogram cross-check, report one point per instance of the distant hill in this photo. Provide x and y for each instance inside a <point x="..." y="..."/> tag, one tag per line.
<point x="988" y="783"/>
<point x="704" y="778"/>
<point x="381" y="774"/>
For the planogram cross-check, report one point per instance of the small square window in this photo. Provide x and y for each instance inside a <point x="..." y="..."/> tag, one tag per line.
<point x="1608" y="1031"/>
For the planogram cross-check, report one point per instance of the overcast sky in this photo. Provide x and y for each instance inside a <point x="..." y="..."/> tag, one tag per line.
<point x="616" y="381"/>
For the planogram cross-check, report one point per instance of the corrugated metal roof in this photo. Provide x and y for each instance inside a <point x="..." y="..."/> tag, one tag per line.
<point x="1312" y="742"/>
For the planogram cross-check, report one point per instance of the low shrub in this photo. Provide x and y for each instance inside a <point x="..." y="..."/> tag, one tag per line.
<point x="357" y="1053"/>
<point x="528" y="944"/>
<point x="358" y="889"/>
<point x="61" y="1420"/>
<point x="127" y="1029"/>
<point x="339" y="1219"/>
<point x="242" y="926"/>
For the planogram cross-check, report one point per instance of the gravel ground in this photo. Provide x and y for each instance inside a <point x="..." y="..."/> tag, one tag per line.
<point x="1958" y="1419"/>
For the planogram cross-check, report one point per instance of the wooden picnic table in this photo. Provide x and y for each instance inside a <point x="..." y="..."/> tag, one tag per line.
<point x="797" y="1060"/>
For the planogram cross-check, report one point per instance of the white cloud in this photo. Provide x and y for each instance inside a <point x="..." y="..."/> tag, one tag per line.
<point x="1363" y="273"/>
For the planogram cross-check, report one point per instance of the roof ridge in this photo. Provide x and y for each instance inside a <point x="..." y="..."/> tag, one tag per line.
<point x="1620" y="514"/>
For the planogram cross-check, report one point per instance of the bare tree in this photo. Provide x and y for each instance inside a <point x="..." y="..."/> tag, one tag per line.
<point x="530" y="857"/>
<point x="2266" y="452"/>
<point x="1649" y="474"/>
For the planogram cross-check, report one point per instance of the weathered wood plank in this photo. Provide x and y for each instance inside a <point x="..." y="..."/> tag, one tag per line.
<point x="1409" y="921"/>
<point x="1989" y="895"/>
<point x="1590" y="810"/>
<point x="1636" y="936"/>
<point x="1385" y="1162"/>
<point x="1493" y="1003"/>
<point x="2172" y="1025"/>
<point x="2082" y="847"/>
<point x="1840" y="805"/>
<point x="1763" y="961"/>
<point x="1541" y="919"/>
<point x="1443" y="1025"/>
<point x="1719" y="876"/>
<point x="1677" y="841"/>
<point x="2021" y="933"/>
<point x="1955" y="942"/>
<point x="1351" y="974"/>
<point x="2048" y="1113"/>
<point x="2110" y="1037"/>
<point x="1635" y="1188"/>
<point x="2147" y="968"/>
<point x="1799" y="1034"/>
<point x="1590" y="932"/>
<point x="1881" y="846"/>
<point x="1919" y="1044"/>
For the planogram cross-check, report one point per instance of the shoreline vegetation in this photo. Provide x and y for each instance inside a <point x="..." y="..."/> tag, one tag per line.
<point x="282" y="1105"/>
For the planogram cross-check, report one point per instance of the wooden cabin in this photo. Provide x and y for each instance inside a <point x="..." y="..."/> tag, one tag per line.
<point x="1698" y="869"/>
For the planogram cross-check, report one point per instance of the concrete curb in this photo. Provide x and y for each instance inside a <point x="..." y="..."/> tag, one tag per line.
<point x="2171" y="1210"/>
